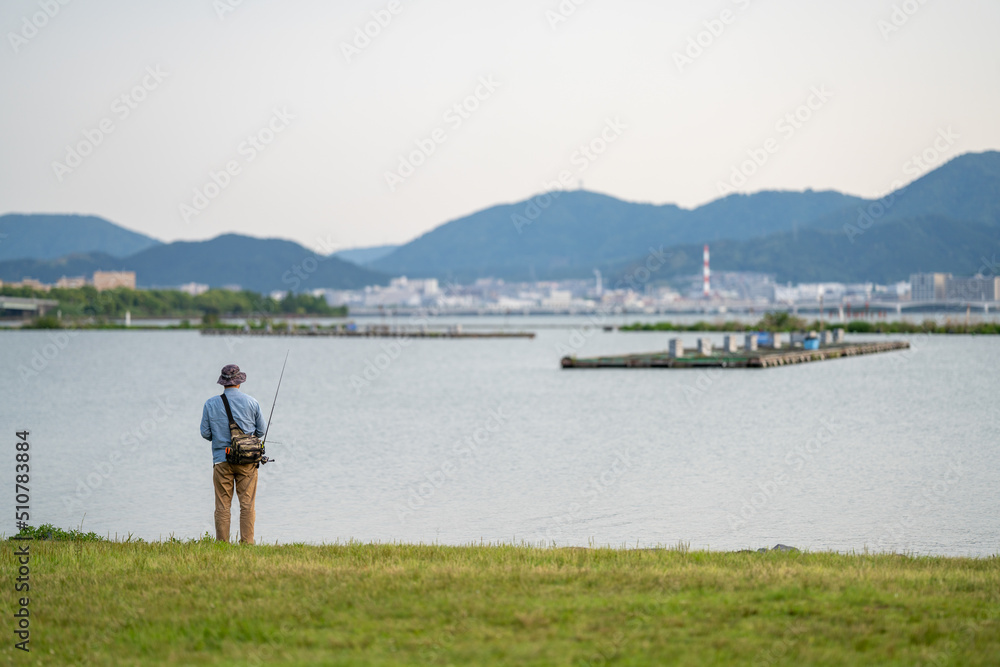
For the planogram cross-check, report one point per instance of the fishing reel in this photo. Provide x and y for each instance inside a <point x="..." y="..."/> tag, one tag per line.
<point x="268" y="459"/>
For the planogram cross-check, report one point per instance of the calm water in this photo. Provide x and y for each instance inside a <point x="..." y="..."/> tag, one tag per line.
<point x="468" y="440"/>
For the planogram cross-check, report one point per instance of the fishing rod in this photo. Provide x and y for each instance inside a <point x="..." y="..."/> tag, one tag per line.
<point x="273" y="403"/>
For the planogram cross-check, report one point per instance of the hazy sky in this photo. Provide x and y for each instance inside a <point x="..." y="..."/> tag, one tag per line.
<point x="182" y="85"/>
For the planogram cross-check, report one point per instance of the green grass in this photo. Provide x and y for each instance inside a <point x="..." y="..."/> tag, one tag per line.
<point x="197" y="603"/>
<point x="49" y="532"/>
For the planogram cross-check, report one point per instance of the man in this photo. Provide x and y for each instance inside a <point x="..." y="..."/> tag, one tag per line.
<point x="215" y="427"/>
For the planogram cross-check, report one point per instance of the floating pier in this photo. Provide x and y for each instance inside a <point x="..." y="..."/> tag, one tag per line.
<point x="760" y="358"/>
<point x="370" y="332"/>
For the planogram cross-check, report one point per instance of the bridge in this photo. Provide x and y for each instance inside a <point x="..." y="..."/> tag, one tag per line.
<point x="25" y="307"/>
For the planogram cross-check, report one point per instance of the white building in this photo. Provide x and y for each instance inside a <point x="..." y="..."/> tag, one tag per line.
<point x="104" y="280"/>
<point x="929" y="286"/>
<point x="976" y="288"/>
<point x="194" y="289"/>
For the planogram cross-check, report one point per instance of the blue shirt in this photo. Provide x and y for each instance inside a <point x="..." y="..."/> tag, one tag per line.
<point x="215" y="423"/>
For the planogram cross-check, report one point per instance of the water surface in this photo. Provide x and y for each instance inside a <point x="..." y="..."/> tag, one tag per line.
<point x="455" y="441"/>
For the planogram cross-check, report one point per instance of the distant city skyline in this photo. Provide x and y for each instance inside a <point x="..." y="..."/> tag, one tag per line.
<point x="372" y="123"/>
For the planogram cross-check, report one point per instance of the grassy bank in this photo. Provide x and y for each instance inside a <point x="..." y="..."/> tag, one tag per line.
<point x="95" y="602"/>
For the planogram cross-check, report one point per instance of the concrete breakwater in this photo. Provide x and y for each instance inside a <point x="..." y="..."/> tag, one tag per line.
<point x="370" y="332"/>
<point x="763" y="358"/>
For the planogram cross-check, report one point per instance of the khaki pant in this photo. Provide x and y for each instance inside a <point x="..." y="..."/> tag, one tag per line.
<point x="245" y="478"/>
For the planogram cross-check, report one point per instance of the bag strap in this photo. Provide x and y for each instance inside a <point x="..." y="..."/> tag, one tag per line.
<point x="234" y="428"/>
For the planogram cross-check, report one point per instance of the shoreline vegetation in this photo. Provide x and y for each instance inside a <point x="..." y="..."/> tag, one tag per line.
<point x="132" y="602"/>
<point x="86" y="308"/>
<point x="786" y="322"/>
<point x="209" y="323"/>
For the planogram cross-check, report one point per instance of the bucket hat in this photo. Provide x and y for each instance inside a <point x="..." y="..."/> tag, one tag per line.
<point x="231" y="376"/>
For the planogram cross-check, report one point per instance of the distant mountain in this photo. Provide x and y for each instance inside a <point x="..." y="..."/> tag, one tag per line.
<point x="51" y="236"/>
<point x="51" y="270"/>
<point x="742" y="216"/>
<point x="568" y="234"/>
<point x="362" y="256"/>
<point x="886" y="253"/>
<point x="946" y="220"/>
<point x="261" y="265"/>
<point x="967" y="188"/>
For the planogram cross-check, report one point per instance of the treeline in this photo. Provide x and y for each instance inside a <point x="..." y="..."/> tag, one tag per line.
<point x="86" y="302"/>
<point x="719" y="325"/>
<point x="775" y="321"/>
<point x="927" y="326"/>
<point x="789" y="322"/>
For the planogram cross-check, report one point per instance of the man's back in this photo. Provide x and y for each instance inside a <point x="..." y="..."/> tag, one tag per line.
<point x="215" y="423"/>
<point x="229" y="477"/>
